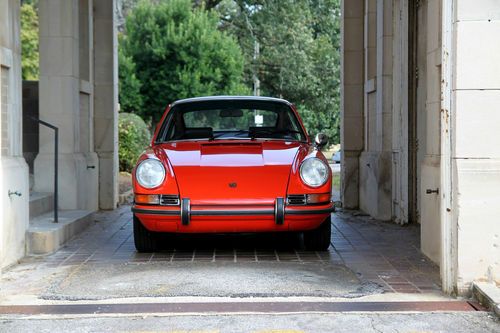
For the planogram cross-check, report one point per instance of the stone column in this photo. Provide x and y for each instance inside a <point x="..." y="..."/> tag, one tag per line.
<point x="352" y="123"/>
<point x="375" y="193"/>
<point x="106" y="101"/>
<point x="384" y="75"/>
<point x="60" y="105"/>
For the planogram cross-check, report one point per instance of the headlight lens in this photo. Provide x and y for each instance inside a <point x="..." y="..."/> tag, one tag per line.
<point x="150" y="173"/>
<point x="314" y="172"/>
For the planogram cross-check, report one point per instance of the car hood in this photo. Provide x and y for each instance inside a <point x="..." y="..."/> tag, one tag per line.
<point x="231" y="171"/>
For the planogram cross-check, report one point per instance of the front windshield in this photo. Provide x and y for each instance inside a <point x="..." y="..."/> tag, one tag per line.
<point x="231" y="120"/>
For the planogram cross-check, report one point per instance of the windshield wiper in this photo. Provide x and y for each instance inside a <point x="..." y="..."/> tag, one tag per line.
<point x="255" y="134"/>
<point x="233" y="133"/>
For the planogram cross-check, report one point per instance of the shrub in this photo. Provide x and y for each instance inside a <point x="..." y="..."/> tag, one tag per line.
<point x="133" y="137"/>
<point x="176" y="52"/>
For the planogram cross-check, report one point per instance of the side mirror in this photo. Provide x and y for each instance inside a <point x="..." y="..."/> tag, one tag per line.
<point x="321" y="140"/>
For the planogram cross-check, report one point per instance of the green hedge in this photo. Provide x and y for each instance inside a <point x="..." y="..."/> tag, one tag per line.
<point x="133" y="136"/>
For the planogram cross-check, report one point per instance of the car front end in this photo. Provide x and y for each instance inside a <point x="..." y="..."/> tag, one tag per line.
<point x="228" y="181"/>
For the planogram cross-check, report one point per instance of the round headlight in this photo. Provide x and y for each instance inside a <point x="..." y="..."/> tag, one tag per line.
<point x="150" y="173"/>
<point x="314" y="172"/>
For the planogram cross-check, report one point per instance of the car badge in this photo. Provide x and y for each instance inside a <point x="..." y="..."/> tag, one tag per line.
<point x="233" y="185"/>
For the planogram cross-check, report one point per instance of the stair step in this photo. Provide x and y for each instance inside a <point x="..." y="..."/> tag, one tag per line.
<point x="44" y="236"/>
<point x="40" y="203"/>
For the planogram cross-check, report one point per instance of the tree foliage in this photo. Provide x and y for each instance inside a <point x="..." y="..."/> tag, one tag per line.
<point x="298" y="56"/>
<point x="29" y="42"/>
<point x="130" y="87"/>
<point x="178" y="52"/>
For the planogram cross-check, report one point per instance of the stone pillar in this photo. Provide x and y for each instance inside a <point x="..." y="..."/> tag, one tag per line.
<point x="475" y="152"/>
<point x="14" y="181"/>
<point x="59" y="104"/>
<point x="400" y="111"/>
<point x="352" y="124"/>
<point x="106" y="101"/>
<point x="384" y="75"/>
<point x="375" y="193"/>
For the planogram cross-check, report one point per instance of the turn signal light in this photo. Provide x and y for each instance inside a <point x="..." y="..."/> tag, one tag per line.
<point x="149" y="199"/>
<point x="318" y="198"/>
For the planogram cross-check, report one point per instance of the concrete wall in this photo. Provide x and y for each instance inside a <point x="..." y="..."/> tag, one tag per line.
<point x="475" y="138"/>
<point x="464" y="168"/>
<point x="14" y="170"/>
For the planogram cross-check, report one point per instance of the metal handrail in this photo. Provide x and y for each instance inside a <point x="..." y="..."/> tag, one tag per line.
<point x="56" y="171"/>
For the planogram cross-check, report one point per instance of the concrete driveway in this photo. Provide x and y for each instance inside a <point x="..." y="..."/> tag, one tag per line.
<point x="366" y="258"/>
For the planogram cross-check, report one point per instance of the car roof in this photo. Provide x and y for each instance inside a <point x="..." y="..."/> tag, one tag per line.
<point x="230" y="98"/>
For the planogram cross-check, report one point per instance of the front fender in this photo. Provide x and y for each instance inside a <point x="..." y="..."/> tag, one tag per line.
<point x="169" y="185"/>
<point x="295" y="183"/>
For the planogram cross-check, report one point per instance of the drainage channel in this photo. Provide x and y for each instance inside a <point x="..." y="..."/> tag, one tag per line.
<point x="240" y="307"/>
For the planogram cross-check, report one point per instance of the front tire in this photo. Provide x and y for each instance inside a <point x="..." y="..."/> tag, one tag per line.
<point x="319" y="238"/>
<point x="144" y="240"/>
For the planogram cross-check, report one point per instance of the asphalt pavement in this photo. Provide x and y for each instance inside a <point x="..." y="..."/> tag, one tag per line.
<point x="480" y="322"/>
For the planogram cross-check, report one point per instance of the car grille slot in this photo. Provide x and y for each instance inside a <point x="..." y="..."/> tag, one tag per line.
<point x="169" y="200"/>
<point x="296" y="199"/>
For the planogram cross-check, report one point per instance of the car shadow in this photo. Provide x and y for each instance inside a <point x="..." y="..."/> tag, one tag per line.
<point x="231" y="242"/>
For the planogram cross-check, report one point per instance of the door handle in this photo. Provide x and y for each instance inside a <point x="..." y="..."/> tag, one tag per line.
<point x="429" y="191"/>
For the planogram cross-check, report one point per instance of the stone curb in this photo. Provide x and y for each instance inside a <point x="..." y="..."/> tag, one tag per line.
<point x="488" y="294"/>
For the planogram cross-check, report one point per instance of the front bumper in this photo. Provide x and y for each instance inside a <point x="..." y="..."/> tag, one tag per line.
<point x="243" y="218"/>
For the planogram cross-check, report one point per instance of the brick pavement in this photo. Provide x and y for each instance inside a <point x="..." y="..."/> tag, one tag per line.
<point x="384" y="253"/>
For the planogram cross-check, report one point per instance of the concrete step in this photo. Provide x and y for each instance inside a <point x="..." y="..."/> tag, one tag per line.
<point x="40" y="203"/>
<point x="44" y="236"/>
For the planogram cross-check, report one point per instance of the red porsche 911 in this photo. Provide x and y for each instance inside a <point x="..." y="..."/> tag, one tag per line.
<point x="228" y="164"/>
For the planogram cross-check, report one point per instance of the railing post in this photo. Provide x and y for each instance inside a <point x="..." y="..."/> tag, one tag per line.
<point x="56" y="174"/>
<point x="56" y="164"/>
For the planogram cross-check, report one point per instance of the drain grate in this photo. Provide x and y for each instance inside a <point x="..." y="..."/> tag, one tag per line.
<point x="240" y="307"/>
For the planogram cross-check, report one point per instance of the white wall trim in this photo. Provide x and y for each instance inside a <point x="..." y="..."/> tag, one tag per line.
<point x="448" y="226"/>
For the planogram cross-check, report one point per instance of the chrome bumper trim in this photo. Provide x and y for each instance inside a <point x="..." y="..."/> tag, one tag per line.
<point x="239" y="212"/>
